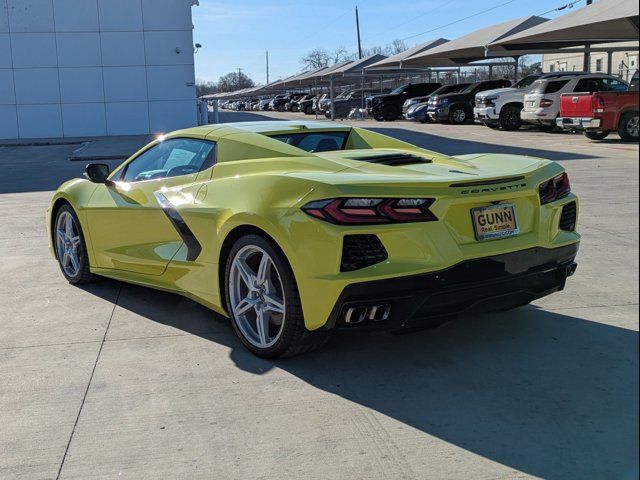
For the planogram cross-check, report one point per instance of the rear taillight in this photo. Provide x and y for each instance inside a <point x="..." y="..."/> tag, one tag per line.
<point x="545" y="102"/>
<point x="554" y="189"/>
<point x="363" y="211"/>
<point x="598" y="105"/>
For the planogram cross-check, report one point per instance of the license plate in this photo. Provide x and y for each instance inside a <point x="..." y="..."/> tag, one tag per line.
<point x="495" y="221"/>
<point x="531" y="104"/>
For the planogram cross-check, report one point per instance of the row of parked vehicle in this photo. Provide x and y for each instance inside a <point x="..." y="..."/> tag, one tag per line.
<point x="591" y="102"/>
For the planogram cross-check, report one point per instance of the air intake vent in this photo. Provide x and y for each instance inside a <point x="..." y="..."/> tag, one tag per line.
<point x="360" y="251"/>
<point x="393" y="159"/>
<point x="568" y="217"/>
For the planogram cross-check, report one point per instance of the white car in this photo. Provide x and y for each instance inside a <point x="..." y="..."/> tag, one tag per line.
<point x="542" y="102"/>
<point x="502" y="107"/>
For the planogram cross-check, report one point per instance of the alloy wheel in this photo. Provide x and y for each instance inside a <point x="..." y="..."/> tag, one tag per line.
<point x="256" y="296"/>
<point x="68" y="244"/>
<point x="459" y="116"/>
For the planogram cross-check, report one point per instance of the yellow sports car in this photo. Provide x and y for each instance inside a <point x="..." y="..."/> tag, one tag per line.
<point x="295" y="229"/>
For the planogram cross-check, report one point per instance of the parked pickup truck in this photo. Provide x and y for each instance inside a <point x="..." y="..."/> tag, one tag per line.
<point x="600" y="113"/>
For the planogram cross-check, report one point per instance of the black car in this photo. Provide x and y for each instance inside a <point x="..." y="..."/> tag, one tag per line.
<point x="343" y="105"/>
<point x="633" y="86"/>
<point x="416" y="108"/>
<point x="457" y="107"/>
<point x="388" y="107"/>
<point x="294" y="104"/>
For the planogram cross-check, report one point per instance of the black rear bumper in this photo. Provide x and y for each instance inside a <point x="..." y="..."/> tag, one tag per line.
<point x="482" y="285"/>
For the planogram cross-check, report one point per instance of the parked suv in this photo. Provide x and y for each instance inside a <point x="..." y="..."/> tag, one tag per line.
<point x="457" y="108"/>
<point x="343" y="105"/>
<point x="388" y="107"/>
<point x="306" y="104"/>
<point x="417" y="107"/>
<point x="542" y="102"/>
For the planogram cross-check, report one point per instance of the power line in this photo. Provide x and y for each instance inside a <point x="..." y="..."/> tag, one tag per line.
<point x="460" y="20"/>
<point x="412" y="19"/>
<point x="562" y="7"/>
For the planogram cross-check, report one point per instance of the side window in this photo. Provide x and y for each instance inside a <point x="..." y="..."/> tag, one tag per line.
<point x="587" y="85"/>
<point x="555" y="87"/>
<point x="611" y="84"/>
<point x="171" y="158"/>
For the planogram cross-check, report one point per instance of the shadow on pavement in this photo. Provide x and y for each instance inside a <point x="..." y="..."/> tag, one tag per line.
<point x="548" y="394"/>
<point x="451" y="146"/>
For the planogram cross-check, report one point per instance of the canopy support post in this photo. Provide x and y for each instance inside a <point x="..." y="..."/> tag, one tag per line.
<point x="609" y="62"/>
<point x="333" y="111"/>
<point x="515" y="69"/>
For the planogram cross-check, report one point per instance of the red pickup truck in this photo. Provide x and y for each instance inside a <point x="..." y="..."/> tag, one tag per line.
<point x="600" y="113"/>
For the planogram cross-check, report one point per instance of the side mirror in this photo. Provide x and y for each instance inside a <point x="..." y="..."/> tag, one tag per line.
<point x="97" y="172"/>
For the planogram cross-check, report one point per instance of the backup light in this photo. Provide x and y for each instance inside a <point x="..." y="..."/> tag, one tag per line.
<point x="363" y="211"/>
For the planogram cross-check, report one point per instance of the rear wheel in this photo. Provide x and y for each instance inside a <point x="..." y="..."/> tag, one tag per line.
<point x="390" y="113"/>
<point x="71" y="250"/>
<point x="628" y="128"/>
<point x="510" y="118"/>
<point x="458" y="115"/>
<point x="308" y="110"/>
<point x="597" y="135"/>
<point x="263" y="301"/>
<point x="546" y="127"/>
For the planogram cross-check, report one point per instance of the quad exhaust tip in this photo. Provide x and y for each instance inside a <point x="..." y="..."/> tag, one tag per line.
<point x="374" y="313"/>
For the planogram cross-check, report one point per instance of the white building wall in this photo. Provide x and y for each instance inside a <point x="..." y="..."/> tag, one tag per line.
<point x="73" y="68"/>
<point x="624" y="63"/>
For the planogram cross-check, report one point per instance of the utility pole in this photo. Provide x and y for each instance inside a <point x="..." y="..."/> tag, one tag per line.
<point x="267" y="67"/>
<point x="358" y="31"/>
<point x="239" y="77"/>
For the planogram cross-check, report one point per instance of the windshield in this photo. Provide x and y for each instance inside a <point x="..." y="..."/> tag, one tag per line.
<point x="470" y="88"/>
<point x="526" y="82"/>
<point x="399" y="90"/>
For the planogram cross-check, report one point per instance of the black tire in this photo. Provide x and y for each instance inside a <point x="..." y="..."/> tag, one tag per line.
<point x="597" y="135"/>
<point x="628" y="128"/>
<point x="458" y="115"/>
<point x="83" y="275"/>
<point x="294" y="339"/>
<point x="308" y="110"/>
<point x="545" y="127"/>
<point x="390" y="113"/>
<point x="510" y="118"/>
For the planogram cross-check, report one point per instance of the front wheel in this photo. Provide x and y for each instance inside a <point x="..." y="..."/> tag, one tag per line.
<point x="510" y="118"/>
<point x="71" y="250"/>
<point x="628" y="129"/>
<point x="597" y="135"/>
<point x="458" y="115"/>
<point x="263" y="301"/>
<point x="389" y="113"/>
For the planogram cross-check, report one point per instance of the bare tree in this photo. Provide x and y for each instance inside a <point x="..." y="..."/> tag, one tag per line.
<point x="398" y="46"/>
<point x="234" y="81"/>
<point x="316" y="58"/>
<point x="341" y="54"/>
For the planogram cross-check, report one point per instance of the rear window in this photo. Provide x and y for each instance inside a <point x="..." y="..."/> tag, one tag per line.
<point x="544" y="86"/>
<point x="315" y="141"/>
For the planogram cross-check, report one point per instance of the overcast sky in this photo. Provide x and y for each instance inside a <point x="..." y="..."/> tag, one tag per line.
<point x="236" y="33"/>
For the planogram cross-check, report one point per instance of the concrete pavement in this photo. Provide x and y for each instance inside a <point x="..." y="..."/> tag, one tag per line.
<point x="114" y="380"/>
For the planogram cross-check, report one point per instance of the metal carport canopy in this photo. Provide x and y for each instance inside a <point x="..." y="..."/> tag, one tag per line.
<point x="602" y="22"/>
<point x="352" y="69"/>
<point x="472" y="47"/>
<point x="395" y="61"/>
